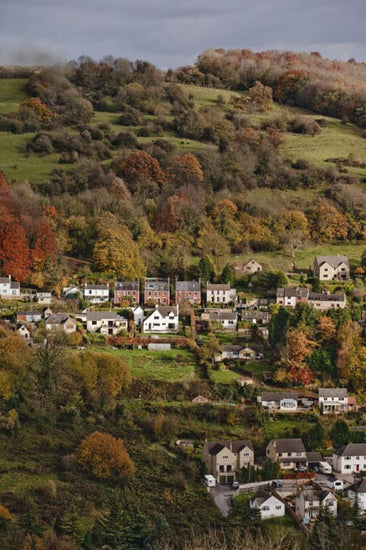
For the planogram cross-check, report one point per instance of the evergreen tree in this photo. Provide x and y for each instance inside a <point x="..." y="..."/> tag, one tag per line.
<point x="228" y="275"/>
<point x="340" y="434"/>
<point x="206" y="269"/>
<point x="315" y="437"/>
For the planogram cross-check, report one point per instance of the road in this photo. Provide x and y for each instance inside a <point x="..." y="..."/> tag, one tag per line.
<point x="222" y="495"/>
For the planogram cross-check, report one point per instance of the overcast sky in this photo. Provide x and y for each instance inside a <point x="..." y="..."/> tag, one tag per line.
<point x="172" y="33"/>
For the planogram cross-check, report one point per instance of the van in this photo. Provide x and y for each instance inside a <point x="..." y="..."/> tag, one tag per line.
<point x="335" y="484"/>
<point x="209" y="480"/>
<point x="325" y="468"/>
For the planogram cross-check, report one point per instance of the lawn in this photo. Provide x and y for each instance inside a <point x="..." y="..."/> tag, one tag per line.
<point x="12" y="93"/>
<point x="172" y="366"/>
<point x="224" y="376"/>
<point x="305" y="258"/>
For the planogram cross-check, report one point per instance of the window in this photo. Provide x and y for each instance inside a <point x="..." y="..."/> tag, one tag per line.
<point x="228" y="468"/>
<point x="278" y="507"/>
<point x="222" y="468"/>
<point x="347" y="467"/>
<point x="265" y="508"/>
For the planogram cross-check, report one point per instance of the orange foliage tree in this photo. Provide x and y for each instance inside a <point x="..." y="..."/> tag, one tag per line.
<point x="105" y="457"/>
<point x="14" y="252"/>
<point x="299" y="346"/>
<point x="185" y="169"/>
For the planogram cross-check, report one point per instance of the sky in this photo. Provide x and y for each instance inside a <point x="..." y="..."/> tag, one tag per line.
<point x="172" y="33"/>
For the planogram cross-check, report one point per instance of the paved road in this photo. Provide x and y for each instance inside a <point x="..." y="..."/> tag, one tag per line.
<point x="222" y="495"/>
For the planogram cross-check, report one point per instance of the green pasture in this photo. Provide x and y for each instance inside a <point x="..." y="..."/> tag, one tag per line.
<point x="12" y="93"/>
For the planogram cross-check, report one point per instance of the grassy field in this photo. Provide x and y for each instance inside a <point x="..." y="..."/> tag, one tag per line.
<point x="224" y="376"/>
<point x="172" y="366"/>
<point x="12" y="93"/>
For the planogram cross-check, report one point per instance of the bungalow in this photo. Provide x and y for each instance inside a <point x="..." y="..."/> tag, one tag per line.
<point x="43" y="297"/>
<point x="72" y="292"/>
<point x="269" y="505"/>
<point x="162" y="319"/>
<point x="309" y="502"/>
<point x="235" y="351"/>
<point x="329" y="268"/>
<point x="283" y="401"/>
<point x="8" y="287"/>
<point x="290" y="452"/>
<point x="61" y="321"/>
<point x="188" y="292"/>
<point x="358" y="489"/>
<point x="105" y="322"/>
<point x="126" y="292"/>
<point x="157" y="291"/>
<point x="333" y="400"/>
<point x="350" y="458"/>
<point x="96" y="294"/>
<point x="23" y="331"/>
<point x="255" y="317"/>
<point x="227" y="318"/>
<point x="220" y="294"/>
<point x="225" y="459"/>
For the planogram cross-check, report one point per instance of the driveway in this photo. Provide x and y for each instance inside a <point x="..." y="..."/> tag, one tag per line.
<point x="222" y="495"/>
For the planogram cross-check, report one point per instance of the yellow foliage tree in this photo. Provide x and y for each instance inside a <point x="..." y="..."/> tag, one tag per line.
<point x="105" y="457"/>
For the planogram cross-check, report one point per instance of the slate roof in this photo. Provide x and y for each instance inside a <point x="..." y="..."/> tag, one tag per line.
<point x="332" y="392"/>
<point x="215" y="447"/>
<point x="222" y="315"/>
<point x="166" y="310"/>
<point x="277" y="396"/>
<point x="314" y="456"/>
<point x="359" y="487"/>
<point x="96" y="287"/>
<point x="126" y="285"/>
<point x="323" y="297"/>
<point x="225" y="286"/>
<point x="57" y="319"/>
<point x="157" y="285"/>
<point x="333" y="261"/>
<point x="352" y="449"/>
<point x="289" y="446"/>
<point x="188" y="286"/>
<point x="260" y="497"/>
<point x="100" y="315"/>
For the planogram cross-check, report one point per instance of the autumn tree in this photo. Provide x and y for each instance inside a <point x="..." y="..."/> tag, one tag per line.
<point x="327" y="223"/>
<point x="15" y="357"/>
<point x="299" y="347"/>
<point x="260" y="97"/>
<point x="351" y="355"/>
<point x="185" y="170"/>
<point x="45" y="245"/>
<point x="116" y="252"/>
<point x="14" y="252"/>
<point x="105" y="457"/>
<point x="140" y="168"/>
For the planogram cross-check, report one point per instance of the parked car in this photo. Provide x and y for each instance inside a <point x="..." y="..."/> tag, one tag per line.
<point x="276" y="484"/>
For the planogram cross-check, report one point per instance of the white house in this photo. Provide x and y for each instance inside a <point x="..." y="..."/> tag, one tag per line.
<point x="235" y="351"/>
<point x="23" y="331"/>
<point x="350" y="458"/>
<point x="72" y="292"/>
<point x="269" y="505"/>
<point x="252" y="267"/>
<point x="44" y="297"/>
<point x="328" y="268"/>
<point x="220" y="294"/>
<point x="105" y="322"/>
<point x="359" y="489"/>
<point x="310" y="501"/>
<point x="162" y="319"/>
<point x="333" y="400"/>
<point x="96" y="294"/>
<point x="9" y="288"/>
<point x="138" y="315"/>
<point x="290" y="296"/>
<point x="283" y="401"/>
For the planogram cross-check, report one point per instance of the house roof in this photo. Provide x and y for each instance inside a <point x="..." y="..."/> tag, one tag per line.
<point x="5" y="280"/>
<point x="332" y="392"/>
<point x="223" y="286"/>
<point x="352" y="449"/>
<point x="215" y="447"/>
<point x="96" y="287"/>
<point x="126" y="285"/>
<point x="291" y="292"/>
<point x="333" y="261"/>
<point x="30" y="313"/>
<point x="166" y="310"/>
<point x="222" y="315"/>
<point x="314" y="456"/>
<point x="254" y="314"/>
<point x="278" y="396"/>
<point x="260" y="497"/>
<point x="289" y="445"/>
<point x="359" y="487"/>
<point x="14" y="285"/>
<point x="57" y="319"/>
<point x="157" y="284"/>
<point x="323" y="297"/>
<point x="100" y="315"/>
<point x="191" y="286"/>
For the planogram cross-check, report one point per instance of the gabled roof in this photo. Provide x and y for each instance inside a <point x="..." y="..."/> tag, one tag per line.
<point x="57" y="319"/>
<point x="156" y="284"/>
<point x="314" y="456"/>
<point x="333" y="261"/>
<point x="352" y="449"/>
<point x="215" y="447"/>
<point x="333" y="392"/>
<point x="188" y="286"/>
<point x="165" y="311"/>
<point x="222" y="315"/>
<point x="96" y="287"/>
<point x="14" y="285"/>
<point x="226" y="286"/>
<point x="289" y="445"/>
<point x="359" y="487"/>
<point x="5" y="280"/>
<point x="291" y="292"/>
<point x="322" y="297"/>
<point x="260" y="497"/>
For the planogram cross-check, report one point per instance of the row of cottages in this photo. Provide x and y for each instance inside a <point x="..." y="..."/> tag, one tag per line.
<point x="290" y="296"/>
<point x="225" y="459"/>
<point x="235" y="351"/>
<point x="8" y="287"/>
<point x="330" y="268"/>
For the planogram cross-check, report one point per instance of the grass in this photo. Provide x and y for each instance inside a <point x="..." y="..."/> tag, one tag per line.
<point x="224" y="376"/>
<point x="171" y="366"/>
<point x="20" y="483"/>
<point x="305" y="258"/>
<point x="257" y="368"/>
<point x="16" y="166"/>
<point x="12" y="93"/>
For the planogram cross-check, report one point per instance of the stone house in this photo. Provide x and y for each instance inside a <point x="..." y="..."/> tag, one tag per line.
<point x="309" y="502"/>
<point x="60" y="321"/>
<point x="126" y="293"/>
<point x="290" y="452"/>
<point x="224" y="459"/>
<point x="329" y="268"/>
<point x="107" y="323"/>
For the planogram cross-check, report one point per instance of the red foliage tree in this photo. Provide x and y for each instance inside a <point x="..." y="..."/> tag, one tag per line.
<point x="14" y="252"/>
